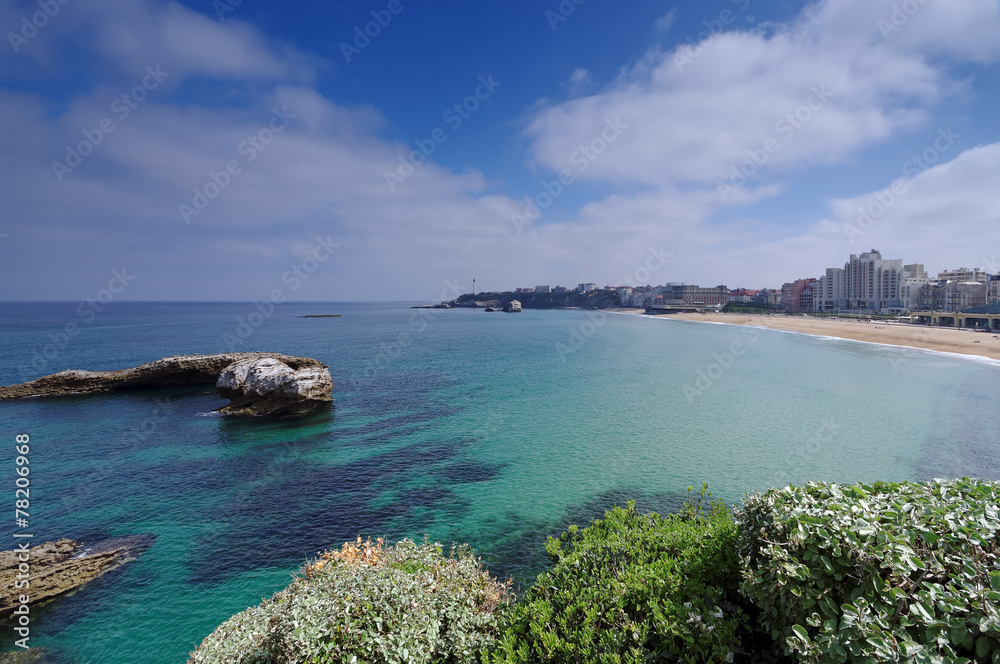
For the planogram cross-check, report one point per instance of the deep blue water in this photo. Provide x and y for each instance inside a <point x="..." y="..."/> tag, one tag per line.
<point x="492" y="429"/>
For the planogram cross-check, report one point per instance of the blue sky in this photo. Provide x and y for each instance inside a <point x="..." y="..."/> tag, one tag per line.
<point x="212" y="149"/>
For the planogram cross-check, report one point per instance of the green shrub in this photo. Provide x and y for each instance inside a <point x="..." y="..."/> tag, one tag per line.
<point x="632" y="588"/>
<point x="876" y="572"/>
<point x="369" y="603"/>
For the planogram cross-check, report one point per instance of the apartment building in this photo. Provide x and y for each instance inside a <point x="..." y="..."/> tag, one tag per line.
<point x="866" y="283"/>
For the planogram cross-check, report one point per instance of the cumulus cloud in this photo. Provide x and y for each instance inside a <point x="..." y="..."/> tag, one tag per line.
<point x="950" y="207"/>
<point x="816" y="90"/>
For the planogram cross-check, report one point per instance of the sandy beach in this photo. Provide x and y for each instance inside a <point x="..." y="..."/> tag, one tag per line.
<point x="947" y="340"/>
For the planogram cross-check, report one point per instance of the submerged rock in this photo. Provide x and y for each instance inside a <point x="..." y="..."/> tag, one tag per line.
<point x="59" y="567"/>
<point x="269" y="386"/>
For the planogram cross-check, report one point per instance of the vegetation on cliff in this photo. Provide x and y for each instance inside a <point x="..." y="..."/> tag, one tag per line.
<point x="633" y="588"/>
<point x="825" y="573"/>
<point x="877" y="572"/>
<point x="369" y="602"/>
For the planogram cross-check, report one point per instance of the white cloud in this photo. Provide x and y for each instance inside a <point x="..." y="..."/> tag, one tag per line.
<point x="665" y="22"/>
<point x="580" y="76"/>
<point x="324" y="174"/>
<point x="135" y="33"/>
<point x="579" y="81"/>
<point x="939" y="213"/>
<point x="695" y="111"/>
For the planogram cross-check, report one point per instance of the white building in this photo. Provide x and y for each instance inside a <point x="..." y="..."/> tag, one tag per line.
<point x="962" y="295"/>
<point x="994" y="289"/>
<point x="873" y="283"/>
<point x="965" y="274"/>
<point x="914" y="278"/>
<point x="831" y="290"/>
<point x="642" y="300"/>
<point x="583" y="288"/>
<point x="866" y="283"/>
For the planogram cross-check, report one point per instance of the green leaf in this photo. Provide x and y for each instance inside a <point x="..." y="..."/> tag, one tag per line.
<point x="920" y="611"/>
<point x="982" y="646"/>
<point x="801" y="632"/>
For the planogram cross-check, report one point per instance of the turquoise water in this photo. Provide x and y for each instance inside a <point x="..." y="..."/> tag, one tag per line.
<point x="492" y="429"/>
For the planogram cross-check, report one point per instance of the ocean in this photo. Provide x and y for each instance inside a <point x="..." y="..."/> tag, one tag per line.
<point x="460" y="426"/>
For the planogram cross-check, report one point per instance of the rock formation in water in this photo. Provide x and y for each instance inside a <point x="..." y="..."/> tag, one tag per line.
<point x="269" y="386"/>
<point x="58" y="567"/>
<point x="29" y="656"/>
<point x="258" y="383"/>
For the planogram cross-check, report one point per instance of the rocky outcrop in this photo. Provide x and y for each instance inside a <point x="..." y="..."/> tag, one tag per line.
<point x="270" y="386"/>
<point x="58" y="567"/>
<point x="29" y="656"/>
<point x="168" y="372"/>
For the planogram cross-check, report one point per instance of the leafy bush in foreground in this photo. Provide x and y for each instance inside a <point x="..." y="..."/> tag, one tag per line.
<point x="632" y="588"/>
<point x="368" y="603"/>
<point x="876" y="572"/>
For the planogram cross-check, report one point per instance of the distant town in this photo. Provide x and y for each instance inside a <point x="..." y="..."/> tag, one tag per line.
<point x="866" y="285"/>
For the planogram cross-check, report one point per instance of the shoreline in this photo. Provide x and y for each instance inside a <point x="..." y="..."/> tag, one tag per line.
<point x="983" y="345"/>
